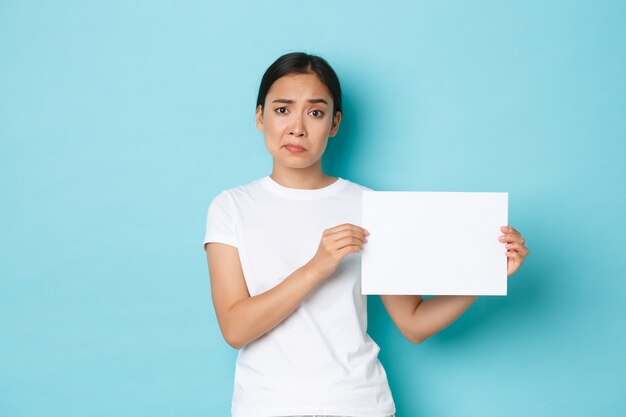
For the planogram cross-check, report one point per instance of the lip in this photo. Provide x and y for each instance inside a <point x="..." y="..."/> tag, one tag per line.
<point x="294" y="148"/>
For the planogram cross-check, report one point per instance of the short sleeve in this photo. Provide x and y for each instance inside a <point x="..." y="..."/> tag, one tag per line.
<point x="220" y="224"/>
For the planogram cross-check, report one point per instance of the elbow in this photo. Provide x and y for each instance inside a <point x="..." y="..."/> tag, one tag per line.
<point x="234" y="343"/>
<point x="232" y="339"/>
<point x="231" y="333"/>
<point x="411" y="334"/>
<point x="415" y="337"/>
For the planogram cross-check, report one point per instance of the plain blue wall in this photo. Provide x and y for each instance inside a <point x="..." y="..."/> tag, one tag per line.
<point x="120" y="121"/>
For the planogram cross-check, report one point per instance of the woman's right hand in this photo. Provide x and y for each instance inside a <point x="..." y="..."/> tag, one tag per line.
<point x="336" y="243"/>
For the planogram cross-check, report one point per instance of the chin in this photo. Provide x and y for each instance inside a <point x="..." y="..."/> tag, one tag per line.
<point x="294" y="164"/>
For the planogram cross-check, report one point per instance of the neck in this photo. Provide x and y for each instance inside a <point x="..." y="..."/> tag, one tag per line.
<point x="309" y="178"/>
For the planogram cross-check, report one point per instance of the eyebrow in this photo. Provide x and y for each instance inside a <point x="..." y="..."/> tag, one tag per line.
<point x="289" y="101"/>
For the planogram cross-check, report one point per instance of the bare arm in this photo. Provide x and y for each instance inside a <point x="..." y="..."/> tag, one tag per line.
<point x="418" y="319"/>
<point x="243" y="318"/>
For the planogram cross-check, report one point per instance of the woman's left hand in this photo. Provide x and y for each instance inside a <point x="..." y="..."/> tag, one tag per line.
<point x="516" y="251"/>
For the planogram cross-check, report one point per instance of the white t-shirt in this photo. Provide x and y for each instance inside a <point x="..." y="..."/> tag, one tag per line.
<point x="320" y="359"/>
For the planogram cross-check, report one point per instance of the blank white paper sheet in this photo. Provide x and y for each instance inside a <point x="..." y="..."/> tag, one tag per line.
<point x="434" y="243"/>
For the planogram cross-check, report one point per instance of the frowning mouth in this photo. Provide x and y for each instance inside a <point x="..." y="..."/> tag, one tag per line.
<point x="294" y="148"/>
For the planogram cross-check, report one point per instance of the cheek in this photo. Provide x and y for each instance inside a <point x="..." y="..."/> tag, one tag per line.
<point x="322" y="128"/>
<point x="272" y="136"/>
<point x="274" y="126"/>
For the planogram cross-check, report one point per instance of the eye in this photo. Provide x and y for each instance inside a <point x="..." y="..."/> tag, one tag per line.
<point x="317" y="113"/>
<point x="281" y="110"/>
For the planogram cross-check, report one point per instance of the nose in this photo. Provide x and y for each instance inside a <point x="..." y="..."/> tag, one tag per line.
<point x="297" y="127"/>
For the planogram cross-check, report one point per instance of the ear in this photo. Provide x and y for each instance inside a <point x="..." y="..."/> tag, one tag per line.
<point x="335" y="126"/>
<point x="259" y="118"/>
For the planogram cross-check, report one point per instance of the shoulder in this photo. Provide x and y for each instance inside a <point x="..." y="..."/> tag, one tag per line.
<point x="235" y="193"/>
<point x="239" y="190"/>
<point x="358" y="187"/>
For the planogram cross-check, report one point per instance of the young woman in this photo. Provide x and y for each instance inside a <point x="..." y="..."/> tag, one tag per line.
<point x="284" y="262"/>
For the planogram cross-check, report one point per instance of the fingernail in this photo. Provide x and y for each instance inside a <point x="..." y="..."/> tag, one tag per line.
<point x="367" y="233"/>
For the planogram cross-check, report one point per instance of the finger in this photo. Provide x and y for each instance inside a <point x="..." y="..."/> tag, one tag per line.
<point x="514" y="261"/>
<point x="347" y="226"/>
<point x="347" y="241"/>
<point x="509" y="229"/>
<point x="349" y="249"/>
<point x="509" y="238"/>
<point x="520" y="248"/>
<point x="517" y="247"/>
<point x="346" y="233"/>
<point x="515" y="257"/>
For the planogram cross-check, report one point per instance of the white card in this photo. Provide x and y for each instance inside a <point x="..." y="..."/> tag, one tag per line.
<point x="434" y="243"/>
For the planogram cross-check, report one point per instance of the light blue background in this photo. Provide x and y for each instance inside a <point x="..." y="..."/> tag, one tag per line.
<point x="120" y="121"/>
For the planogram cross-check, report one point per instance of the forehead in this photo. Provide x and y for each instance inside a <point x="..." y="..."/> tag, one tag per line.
<point x="304" y="85"/>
